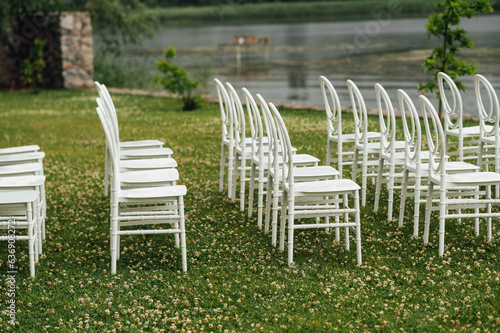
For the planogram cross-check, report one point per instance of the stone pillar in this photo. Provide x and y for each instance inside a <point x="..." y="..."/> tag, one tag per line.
<point x="68" y="52"/>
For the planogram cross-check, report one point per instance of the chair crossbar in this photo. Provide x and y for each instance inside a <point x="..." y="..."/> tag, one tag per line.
<point x="324" y="225"/>
<point x="148" y="232"/>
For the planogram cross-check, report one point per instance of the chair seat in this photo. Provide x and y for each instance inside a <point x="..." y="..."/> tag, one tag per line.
<point x="141" y="144"/>
<point x="147" y="164"/>
<point x="152" y="193"/>
<point x="313" y="172"/>
<point x="149" y="176"/>
<point x="471" y="179"/>
<point x="452" y="167"/>
<point x="351" y="137"/>
<point x="325" y="187"/>
<point x="21" y="181"/>
<point x="20" y="158"/>
<point x="16" y="169"/>
<point x="146" y="153"/>
<point x="469" y="131"/>
<point x="20" y="149"/>
<point x="17" y="197"/>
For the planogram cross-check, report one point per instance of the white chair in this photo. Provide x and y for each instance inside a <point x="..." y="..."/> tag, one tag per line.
<point x="489" y="114"/>
<point x="141" y="206"/>
<point x="275" y="163"/>
<point x="369" y="151"/>
<point x="242" y="146"/>
<point x="468" y="137"/>
<point x="416" y="162"/>
<point x="456" y="191"/>
<point x="391" y="156"/>
<point x="26" y="161"/>
<point x="227" y="143"/>
<point x="344" y="142"/>
<point x="130" y="150"/>
<point x="18" y="210"/>
<point x="313" y="199"/>
<point x="259" y="161"/>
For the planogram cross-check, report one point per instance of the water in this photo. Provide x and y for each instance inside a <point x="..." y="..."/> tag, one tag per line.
<point x="387" y="51"/>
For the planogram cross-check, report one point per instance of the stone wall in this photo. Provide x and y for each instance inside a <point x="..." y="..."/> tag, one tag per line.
<point x="68" y="52"/>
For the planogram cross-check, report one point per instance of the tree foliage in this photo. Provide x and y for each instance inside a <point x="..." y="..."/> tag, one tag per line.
<point x="445" y="26"/>
<point x="175" y="80"/>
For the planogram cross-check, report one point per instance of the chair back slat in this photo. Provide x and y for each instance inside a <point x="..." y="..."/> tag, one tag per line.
<point x="435" y="137"/>
<point x="332" y="107"/>
<point x="452" y="112"/>
<point x="412" y="133"/>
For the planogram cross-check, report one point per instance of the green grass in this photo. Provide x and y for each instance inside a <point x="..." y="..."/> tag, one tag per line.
<point x="295" y="11"/>
<point x="235" y="281"/>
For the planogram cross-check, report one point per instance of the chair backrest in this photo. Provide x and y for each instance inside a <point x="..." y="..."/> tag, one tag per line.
<point x="387" y="120"/>
<point x="238" y="116"/>
<point x="413" y="133"/>
<point x="435" y="137"/>
<point x="272" y="134"/>
<point x="112" y="146"/>
<point x="452" y="112"/>
<point x="359" y="112"/>
<point x="226" y="112"/>
<point x="258" y="134"/>
<point x="332" y="107"/>
<point x="107" y="106"/>
<point x="286" y="148"/>
<point x="487" y="116"/>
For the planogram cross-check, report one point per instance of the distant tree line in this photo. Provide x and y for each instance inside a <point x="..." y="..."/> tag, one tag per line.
<point x="186" y="3"/>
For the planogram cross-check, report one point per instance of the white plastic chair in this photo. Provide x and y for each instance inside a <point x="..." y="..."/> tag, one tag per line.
<point x="227" y="143"/>
<point x="468" y="137"/>
<point x="369" y="151"/>
<point x="313" y="199"/>
<point x="416" y="162"/>
<point x="242" y="146"/>
<point x="391" y="156"/>
<point x="259" y="161"/>
<point x="335" y="136"/>
<point x="18" y="210"/>
<point x="26" y="161"/>
<point x="489" y="114"/>
<point x="275" y="163"/>
<point x="456" y="191"/>
<point x="142" y="206"/>
<point x="129" y="150"/>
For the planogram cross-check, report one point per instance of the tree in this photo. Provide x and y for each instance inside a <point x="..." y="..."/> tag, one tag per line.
<point x="175" y="79"/>
<point x="443" y="57"/>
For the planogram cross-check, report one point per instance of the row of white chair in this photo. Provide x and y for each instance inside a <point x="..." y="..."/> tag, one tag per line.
<point x="22" y="201"/>
<point x="306" y="189"/>
<point x="405" y="162"/>
<point x="143" y="185"/>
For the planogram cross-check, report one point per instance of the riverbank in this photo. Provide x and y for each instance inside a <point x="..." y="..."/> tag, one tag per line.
<point x="279" y="12"/>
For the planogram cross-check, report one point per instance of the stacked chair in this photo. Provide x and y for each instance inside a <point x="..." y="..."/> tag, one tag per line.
<point x="143" y="187"/>
<point x="22" y="199"/>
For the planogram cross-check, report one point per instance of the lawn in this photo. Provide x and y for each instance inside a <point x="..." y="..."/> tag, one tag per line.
<point x="236" y="281"/>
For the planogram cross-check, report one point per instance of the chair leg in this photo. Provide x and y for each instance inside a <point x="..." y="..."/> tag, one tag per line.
<point x="428" y="209"/>
<point x="276" y="187"/>
<point x="260" y="197"/>
<point x="416" y="214"/>
<point x="269" y="202"/>
<point x="488" y="207"/>
<point x="379" y="183"/>
<point x="328" y="152"/>
<point x="113" y="238"/>
<point x="232" y="192"/>
<point x="340" y="158"/>
<point x="31" y="237"/>
<point x="230" y="171"/>
<point x="364" y="176"/>
<point x="183" y="234"/>
<point x="358" y="227"/>
<point x="442" y="219"/>
<point x="222" y="166"/>
<point x="284" y="204"/>
<point x="242" y="182"/>
<point x="390" y="188"/>
<point x="251" y="190"/>
<point x="291" y="217"/>
<point x="403" y="198"/>
<point x="355" y="165"/>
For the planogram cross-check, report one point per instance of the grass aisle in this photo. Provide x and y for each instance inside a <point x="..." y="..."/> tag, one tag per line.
<point x="235" y="281"/>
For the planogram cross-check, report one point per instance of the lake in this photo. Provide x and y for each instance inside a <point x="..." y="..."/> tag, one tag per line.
<point x="384" y="50"/>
